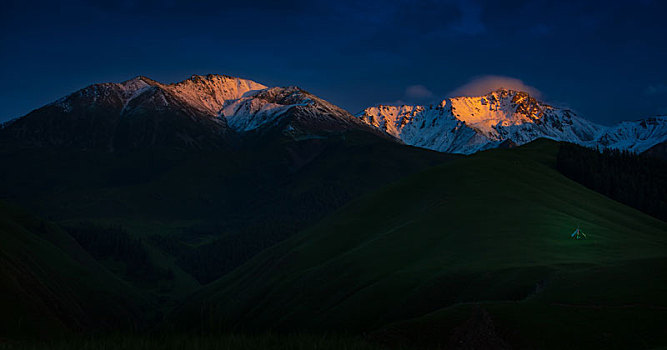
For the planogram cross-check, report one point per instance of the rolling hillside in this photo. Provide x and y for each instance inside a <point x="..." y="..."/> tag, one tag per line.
<point x="50" y="286"/>
<point x="202" y="213"/>
<point x="491" y="229"/>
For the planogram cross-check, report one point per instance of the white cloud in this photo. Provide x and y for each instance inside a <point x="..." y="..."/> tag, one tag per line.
<point x="485" y="84"/>
<point x="658" y="89"/>
<point x="417" y="92"/>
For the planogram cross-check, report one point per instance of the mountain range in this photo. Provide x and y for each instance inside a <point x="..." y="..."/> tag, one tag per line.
<point x="218" y="110"/>
<point x="506" y="118"/>
<point x="201" y="112"/>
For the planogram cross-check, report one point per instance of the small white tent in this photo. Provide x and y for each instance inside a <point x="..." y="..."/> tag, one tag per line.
<point x="578" y="234"/>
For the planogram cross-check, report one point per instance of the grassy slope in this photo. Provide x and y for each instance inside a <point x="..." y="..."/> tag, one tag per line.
<point x="49" y="285"/>
<point x="193" y="198"/>
<point x="214" y="342"/>
<point x="491" y="228"/>
<point x="212" y="192"/>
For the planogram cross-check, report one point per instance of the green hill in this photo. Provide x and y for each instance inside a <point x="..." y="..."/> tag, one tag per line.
<point x="50" y="286"/>
<point x="188" y="217"/>
<point x="492" y="229"/>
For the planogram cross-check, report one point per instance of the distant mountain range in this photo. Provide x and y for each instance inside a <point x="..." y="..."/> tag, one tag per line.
<point x="217" y="110"/>
<point x="505" y="118"/>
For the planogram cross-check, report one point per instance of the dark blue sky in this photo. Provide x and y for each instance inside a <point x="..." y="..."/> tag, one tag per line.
<point x="606" y="60"/>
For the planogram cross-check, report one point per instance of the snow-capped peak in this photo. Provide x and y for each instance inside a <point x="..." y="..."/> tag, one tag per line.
<point x="498" y="108"/>
<point x="207" y="94"/>
<point x="136" y="84"/>
<point x="637" y="136"/>
<point x="135" y="87"/>
<point x="240" y="104"/>
<point x="456" y="125"/>
<point x="469" y="124"/>
<point x="483" y="113"/>
<point x="254" y="110"/>
<point x="267" y="106"/>
<point x="211" y="92"/>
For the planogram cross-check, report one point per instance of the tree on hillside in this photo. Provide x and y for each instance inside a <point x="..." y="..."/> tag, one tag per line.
<point x="635" y="180"/>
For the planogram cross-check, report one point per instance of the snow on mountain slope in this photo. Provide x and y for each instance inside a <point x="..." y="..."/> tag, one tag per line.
<point x="243" y="105"/>
<point x="211" y="92"/>
<point x="428" y="127"/>
<point x="205" y="93"/>
<point x="470" y="124"/>
<point x="637" y="136"/>
<point x="255" y="110"/>
<point x="214" y="107"/>
<point x="197" y="112"/>
<point x="303" y="112"/>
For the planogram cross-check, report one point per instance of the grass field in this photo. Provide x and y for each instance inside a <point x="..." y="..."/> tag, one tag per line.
<point x="191" y="199"/>
<point x="49" y="285"/>
<point x="194" y="199"/>
<point x="411" y="264"/>
<point x="491" y="229"/>
<point x="209" y="342"/>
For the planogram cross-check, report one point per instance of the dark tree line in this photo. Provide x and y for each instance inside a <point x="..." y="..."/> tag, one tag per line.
<point x="232" y="243"/>
<point x="212" y="260"/>
<point x="635" y="180"/>
<point x="115" y="243"/>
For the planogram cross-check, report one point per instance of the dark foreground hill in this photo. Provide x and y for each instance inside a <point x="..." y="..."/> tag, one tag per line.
<point x="50" y="286"/>
<point x="199" y="214"/>
<point x="493" y="229"/>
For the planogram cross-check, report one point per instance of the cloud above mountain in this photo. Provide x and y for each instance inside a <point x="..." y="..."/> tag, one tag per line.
<point x="418" y="92"/>
<point x="485" y="84"/>
<point x="658" y="89"/>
